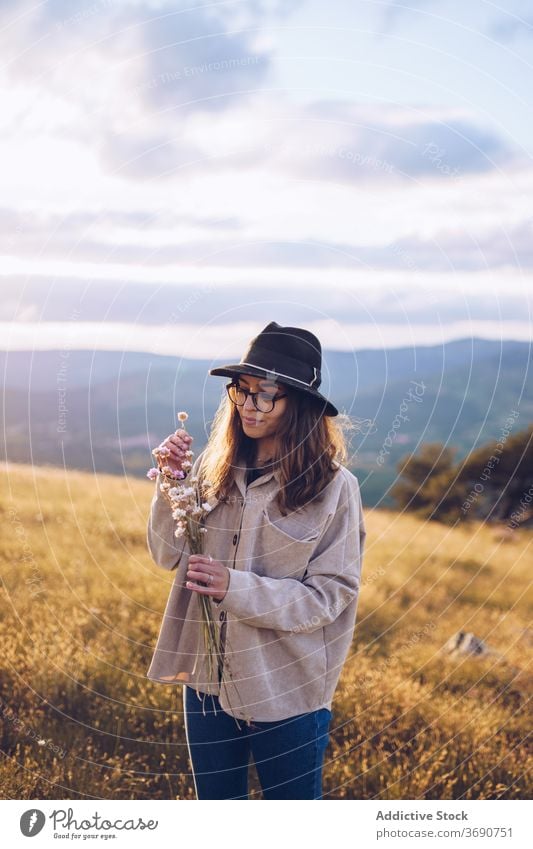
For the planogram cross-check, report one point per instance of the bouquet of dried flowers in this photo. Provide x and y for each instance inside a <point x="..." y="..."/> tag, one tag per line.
<point x="189" y="510"/>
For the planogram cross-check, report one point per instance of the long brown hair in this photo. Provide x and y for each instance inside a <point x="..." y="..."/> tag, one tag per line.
<point x="310" y="449"/>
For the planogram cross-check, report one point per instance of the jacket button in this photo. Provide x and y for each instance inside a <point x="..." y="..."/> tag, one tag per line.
<point x="235" y="538"/>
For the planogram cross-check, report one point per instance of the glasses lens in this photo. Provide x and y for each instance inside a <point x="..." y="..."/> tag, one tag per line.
<point x="236" y="394"/>
<point x="264" y="402"/>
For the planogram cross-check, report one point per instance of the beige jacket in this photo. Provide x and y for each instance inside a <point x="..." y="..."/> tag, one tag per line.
<point x="288" y="616"/>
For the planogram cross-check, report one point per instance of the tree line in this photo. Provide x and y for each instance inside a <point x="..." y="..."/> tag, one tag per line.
<point x="493" y="483"/>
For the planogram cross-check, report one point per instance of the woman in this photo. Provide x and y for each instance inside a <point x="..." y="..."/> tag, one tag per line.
<point x="282" y="566"/>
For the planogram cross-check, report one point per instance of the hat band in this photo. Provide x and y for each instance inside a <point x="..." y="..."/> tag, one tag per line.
<point x="280" y="373"/>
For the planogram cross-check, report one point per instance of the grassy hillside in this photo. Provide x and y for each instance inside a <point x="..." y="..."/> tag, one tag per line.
<point x="80" y="611"/>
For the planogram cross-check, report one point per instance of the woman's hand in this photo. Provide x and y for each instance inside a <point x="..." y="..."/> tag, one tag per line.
<point x="177" y="444"/>
<point x="200" y="568"/>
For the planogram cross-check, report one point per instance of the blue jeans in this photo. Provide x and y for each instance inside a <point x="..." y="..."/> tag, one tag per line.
<point x="288" y="753"/>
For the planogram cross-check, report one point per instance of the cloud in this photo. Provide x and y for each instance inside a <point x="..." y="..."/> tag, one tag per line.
<point x="144" y="155"/>
<point x="222" y="342"/>
<point x="193" y="64"/>
<point x="164" y="55"/>
<point x="169" y="96"/>
<point x="128" y="234"/>
<point x="134" y="81"/>
<point x="170" y="307"/>
<point x="340" y="141"/>
<point x="455" y="248"/>
<point x="394" y="11"/>
<point x="125" y="78"/>
<point x="135" y="238"/>
<point x="509" y="27"/>
<point x="18" y="310"/>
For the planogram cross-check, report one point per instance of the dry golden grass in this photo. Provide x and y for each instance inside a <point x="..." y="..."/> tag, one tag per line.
<point x="81" y="607"/>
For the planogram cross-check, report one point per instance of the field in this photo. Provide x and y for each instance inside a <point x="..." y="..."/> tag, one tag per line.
<point x="81" y="606"/>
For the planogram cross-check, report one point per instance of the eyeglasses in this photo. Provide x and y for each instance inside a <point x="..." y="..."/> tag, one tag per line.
<point x="263" y="401"/>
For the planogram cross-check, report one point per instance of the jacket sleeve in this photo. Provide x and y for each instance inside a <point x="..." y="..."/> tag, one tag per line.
<point x="165" y="549"/>
<point x="330" y="583"/>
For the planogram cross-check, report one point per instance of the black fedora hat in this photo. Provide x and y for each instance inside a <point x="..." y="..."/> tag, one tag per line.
<point x="290" y="355"/>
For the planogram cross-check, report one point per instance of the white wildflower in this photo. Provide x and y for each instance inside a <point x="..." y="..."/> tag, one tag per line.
<point x="207" y="507"/>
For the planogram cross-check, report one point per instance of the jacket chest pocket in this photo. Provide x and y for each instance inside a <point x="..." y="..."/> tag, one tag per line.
<point x="284" y="547"/>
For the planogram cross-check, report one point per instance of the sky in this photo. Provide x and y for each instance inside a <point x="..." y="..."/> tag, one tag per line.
<point x="363" y="169"/>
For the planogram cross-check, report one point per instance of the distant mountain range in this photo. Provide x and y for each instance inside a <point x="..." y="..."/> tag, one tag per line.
<point x="105" y="411"/>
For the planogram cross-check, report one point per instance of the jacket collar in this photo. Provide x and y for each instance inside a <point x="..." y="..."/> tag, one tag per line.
<point x="240" y="479"/>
